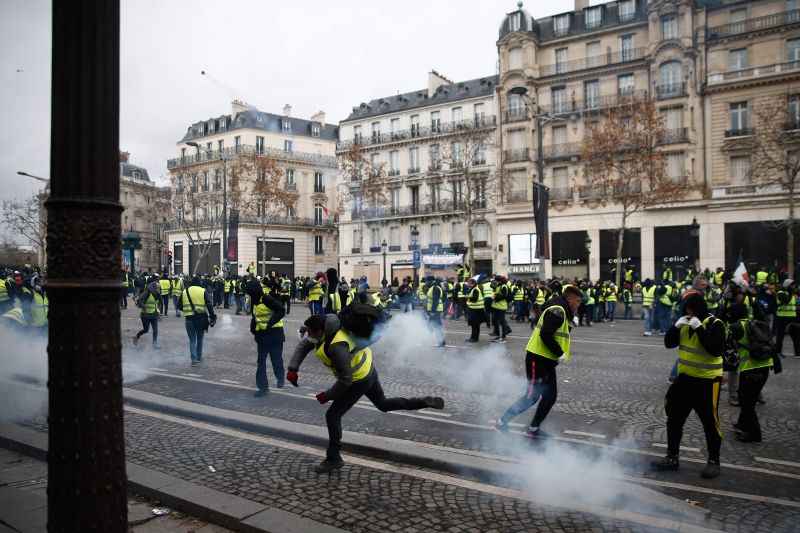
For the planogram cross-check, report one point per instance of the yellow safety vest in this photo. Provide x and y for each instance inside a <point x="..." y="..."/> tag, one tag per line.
<point x="789" y="309"/>
<point x="440" y="305"/>
<point x="315" y="293"/>
<point x="376" y="300"/>
<point x="227" y="286"/>
<point x="519" y="294"/>
<point x="150" y="305"/>
<point x="665" y="299"/>
<point x="361" y="363"/>
<point x="537" y="346"/>
<point x="177" y="287"/>
<point x="718" y="278"/>
<point x="611" y="295"/>
<point x="648" y="296"/>
<point x="761" y="277"/>
<point x="165" y="287"/>
<point x="15" y="314"/>
<point x="488" y="292"/>
<point x="421" y="292"/>
<point x="3" y="291"/>
<point x="125" y="282"/>
<point x="262" y="314"/>
<point x="693" y="359"/>
<point x="745" y="363"/>
<point x="540" y="298"/>
<point x="39" y="309"/>
<point x="500" y="305"/>
<point x="478" y="304"/>
<point x="198" y="296"/>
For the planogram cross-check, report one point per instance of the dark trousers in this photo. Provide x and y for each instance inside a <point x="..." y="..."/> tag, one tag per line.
<point x="501" y="328"/>
<point x="458" y="309"/>
<point x="164" y="304"/>
<point x="781" y="327"/>
<point x="239" y="303"/>
<point x="227" y="300"/>
<point x="542" y="387"/>
<point x="176" y="300"/>
<point x="123" y="302"/>
<point x="195" y="333"/>
<point x="750" y="384"/>
<point x="435" y="321"/>
<point x="269" y="345"/>
<point x="287" y="302"/>
<point x="147" y="323"/>
<point x="475" y="317"/>
<point x="371" y="388"/>
<point x="688" y="393"/>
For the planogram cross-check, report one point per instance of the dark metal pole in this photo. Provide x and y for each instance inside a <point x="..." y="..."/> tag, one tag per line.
<point x="86" y="460"/>
<point x="225" y="214"/>
<point x="539" y="151"/>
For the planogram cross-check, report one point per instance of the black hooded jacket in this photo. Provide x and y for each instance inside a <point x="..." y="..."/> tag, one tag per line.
<point x="712" y="337"/>
<point x="552" y="323"/>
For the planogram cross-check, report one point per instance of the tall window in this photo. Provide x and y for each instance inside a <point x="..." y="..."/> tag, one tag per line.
<point x="394" y="236"/>
<point x="319" y="249"/>
<point x="739" y="117"/>
<point x="319" y="182"/>
<point x="315" y="133"/>
<point x="287" y="145"/>
<point x="357" y="138"/>
<point x="559" y="135"/>
<point x="436" y="234"/>
<point x="375" y="163"/>
<point x="204" y="182"/>
<point x="737" y="19"/>
<point x="357" y="239"/>
<point x="516" y="105"/>
<point x="793" y="50"/>
<point x="456" y="232"/>
<point x="318" y="214"/>
<point x="594" y="57"/>
<point x="415" y="125"/>
<point x="375" y="237"/>
<point x="480" y="233"/>
<point x="217" y="179"/>
<point x="287" y="125"/>
<point x="737" y="59"/>
<point x="518" y="186"/>
<point x="376" y="131"/>
<point x="458" y="193"/>
<point x="220" y="145"/>
<point x="625" y="84"/>
<point x="626" y="48"/>
<point x="436" y="194"/>
<point x="669" y="27"/>
<point x="394" y="162"/>
<point x="515" y="21"/>
<point x="435" y="156"/>
<point x="237" y="143"/>
<point x="480" y="114"/>
<point x="670" y="79"/>
<point x="457" y="115"/>
<point x="591" y="91"/>
<point x="559" y="99"/>
<point x="740" y="170"/>
<point x="561" y="179"/>
<point x="561" y="59"/>
<point x="593" y="17"/>
<point x="515" y="59"/>
<point x="414" y="190"/>
<point x="394" y="126"/>
<point x="209" y="146"/>
<point x="794" y="112"/>
<point x="676" y="166"/>
<point x="561" y="24"/>
<point x="413" y="160"/>
<point x="290" y="178"/>
<point x="627" y="10"/>
<point x="479" y="157"/>
<point x="791" y="5"/>
<point x="395" y="199"/>
<point x="436" y="122"/>
<point x="259" y="145"/>
<point x="457" y="154"/>
<point x="673" y="118"/>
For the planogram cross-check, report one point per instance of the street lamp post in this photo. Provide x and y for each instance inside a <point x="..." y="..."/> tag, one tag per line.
<point x="587" y="242"/>
<point x="38" y="178"/>
<point x="414" y="236"/>
<point x="383" y="250"/>
<point x="224" y="246"/>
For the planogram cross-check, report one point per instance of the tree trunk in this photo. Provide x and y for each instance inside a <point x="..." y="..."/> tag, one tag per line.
<point x="87" y="486"/>
<point x="620" y="244"/>
<point x="790" y="259"/>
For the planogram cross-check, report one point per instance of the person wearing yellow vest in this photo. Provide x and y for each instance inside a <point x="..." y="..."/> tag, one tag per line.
<point x="6" y="291"/>
<point x="316" y="291"/>
<point x="226" y="293"/>
<point x="148" y="301"/>
<point x="488" y="294"/>
<point x="719" y="277"/>
<point x="476" y="313"/>
<point x="700" y="340"/>
<point x="500" y="299"/>
<point x="754" y="365"/>
<point x="177" y="290"/>
<point x="351" y="362"/>
<point x="785" y="315"/>
<point x="198" y="312"/>
<point x="549" y="343"/>
<point x="39" y="309"/>
<point x="518" y="297"/>
<point x="434" y="306"/>
<point x="761" y="277"/>
<point x="165" y="287"/>
<point x="648" y="302"/>
<point x="285" y="292"/>
<point x="266" y="325"/>
<point x="610" y="293"/>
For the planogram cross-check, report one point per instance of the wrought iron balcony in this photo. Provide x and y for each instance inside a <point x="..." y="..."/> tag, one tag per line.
<point x="394" y="172"/>
<point x="434" y="130"/>
<point x="546" y="31"/>
<point x="319" y="189"/>
<point x="670" y="90"/>
<point x="413" y="170"/>
<point x="233" y="152"/>
<point x="792" y="125"/>
<point x="753" y="24"/>
<point x="517" y="196"/>
<point x="590" y="192"/>
<point x="395" y="248"/>
<point x="355" y="250"/>
<point x="271" y="220"/>
<point x="562" y="150"/>
<point x="561" y="194"/>
<point x="291" y="187"/>
<point x="516" y="155"/>
<point x="674" y="136"/>
<point x="442" y="206"/>
<point x="739" y="132"/>
<point x="594" y="103"/>
<point x="753" y="72"/>
<point x="515" y="114"/>
<point x="602" y="60"/>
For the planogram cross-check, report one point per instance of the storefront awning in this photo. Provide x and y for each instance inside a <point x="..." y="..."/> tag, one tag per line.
<point x="443" y="259"/>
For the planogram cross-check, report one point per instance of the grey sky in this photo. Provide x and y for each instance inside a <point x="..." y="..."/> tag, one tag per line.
<point x="315" y="55"/>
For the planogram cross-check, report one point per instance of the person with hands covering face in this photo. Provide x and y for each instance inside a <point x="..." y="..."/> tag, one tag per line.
<point x="700" y="339"/>
<point x="351" y="361"/>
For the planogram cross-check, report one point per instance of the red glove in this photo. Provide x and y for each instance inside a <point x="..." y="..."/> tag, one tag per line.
<point x="321" y="398"/>
<point x="291" y="377"/>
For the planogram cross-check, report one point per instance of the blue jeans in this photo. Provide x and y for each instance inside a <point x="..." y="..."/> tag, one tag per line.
<point x="628" y="312"/>
<point x="315" y="307"/>
<point x="271" y="345"/>
<point x="664" y="315"/>
<point x="647" y="316"/>
<point x="610" y="308"/>
<point x="195" y="339"/>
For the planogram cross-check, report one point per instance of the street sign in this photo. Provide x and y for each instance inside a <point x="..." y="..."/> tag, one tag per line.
<point x="417" y="258"/>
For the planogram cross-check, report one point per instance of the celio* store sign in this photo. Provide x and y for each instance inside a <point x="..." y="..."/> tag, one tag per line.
<point x="522" y="254"/>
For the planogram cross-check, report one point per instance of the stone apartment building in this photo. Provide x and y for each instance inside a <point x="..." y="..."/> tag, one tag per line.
<point x="417" y="140"/>
<point x="705" y="63"/>
<point x="300" y="240"/>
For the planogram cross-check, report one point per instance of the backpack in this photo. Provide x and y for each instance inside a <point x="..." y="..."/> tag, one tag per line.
<point x="760" y="340"/>
<point x="360" y="319"/>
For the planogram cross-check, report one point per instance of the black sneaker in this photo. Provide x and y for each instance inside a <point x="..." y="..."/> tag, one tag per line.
<point x="328" y="465"/>
<point x="742" y="436"/>
<point x="710" y="471"/>
<point x="135" y="340"/>
<point x="667" y="464"/>
<point x="261" y="392"/>
<point x="434" y="402"/>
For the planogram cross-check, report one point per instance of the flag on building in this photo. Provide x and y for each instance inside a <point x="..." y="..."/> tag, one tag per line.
<point x="541" y="202"/>
<point x="740" y="275"/>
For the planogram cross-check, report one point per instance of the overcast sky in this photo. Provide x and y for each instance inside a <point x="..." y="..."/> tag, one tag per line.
<point x="313" y="54"/>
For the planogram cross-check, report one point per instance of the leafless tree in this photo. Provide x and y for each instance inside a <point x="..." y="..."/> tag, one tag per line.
<point x="624" y="164"/>
<point x="775" y="154"/>
<point x="21" y="218"/>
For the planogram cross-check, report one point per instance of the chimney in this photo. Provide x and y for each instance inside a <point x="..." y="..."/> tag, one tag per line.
<point x="436" y="80"/>
<point x="287" y="110"/>
<point x="124" y="156"/>
<point x="319" y="116"/>
<point x="238" y="105"/>
<point x="580" y="5"/>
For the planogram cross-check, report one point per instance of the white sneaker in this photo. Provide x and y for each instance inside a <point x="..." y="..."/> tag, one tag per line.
<point x="648" y="334"/>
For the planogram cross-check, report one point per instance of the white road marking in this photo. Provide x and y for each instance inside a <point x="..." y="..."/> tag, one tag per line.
<point x="684" y="448"/>
<point x="491" y="428"/>
<point x="231" y="381"/>
<point x="429" y="476"/>
<point x="777" y="461"/>
<point x="584" y="434"/>
<point x="192" y="375"/>
<point x="158" y="369"/>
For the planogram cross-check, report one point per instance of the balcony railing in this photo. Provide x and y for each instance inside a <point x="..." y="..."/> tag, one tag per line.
<point x="670" y="90"/>
<point x="394" y="172"/>
<point x="609" y="20"/>
<point x="291" y="186"/>
<point x="590" y="192"/>
<point x="563" y="150"/>
<point x="602" y="60"/>
<point x="413" y="170"/>
<point x="319" y="189"/>
<point x="517" y="196"/>
<point x="515" y="114"/>
<point x="269" y="221"/>
<point x="739" y="132"/>
<point x="754" y="24"/>
<point x="675" y="136"/>
<point x="442" y="206"/>
<point x="729" y="191"/>
<point x="561" y="194"/>
<point x="592" y="104"/>
<point x="395" y="248"/>
<point x="355" y="250"/>
<point x="516" y="155"/>
<point x="215" y="155"/>
<point x="753" y="72"/>
<point x="435" y="129"/>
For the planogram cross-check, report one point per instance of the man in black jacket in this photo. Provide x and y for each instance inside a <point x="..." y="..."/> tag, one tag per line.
<point x="266" y="326"/>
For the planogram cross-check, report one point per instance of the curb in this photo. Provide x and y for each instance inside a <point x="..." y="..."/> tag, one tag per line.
<point x="226" y="510"/>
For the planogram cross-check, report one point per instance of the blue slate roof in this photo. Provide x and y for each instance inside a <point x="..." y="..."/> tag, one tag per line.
<point x="255" y="119"/>
<point x="127" y="170"/>
<point x="446" y="93"/>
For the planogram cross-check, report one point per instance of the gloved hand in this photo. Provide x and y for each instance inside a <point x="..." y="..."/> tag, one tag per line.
<point x="321" y="398"/>
<point x="212" y="321"/>
<point x="695" y="323"/>
<point x="575" y="321"/>
<point x="777" y="365"/>
<point x="292" y="377"/>
<point x="682" y="321"/>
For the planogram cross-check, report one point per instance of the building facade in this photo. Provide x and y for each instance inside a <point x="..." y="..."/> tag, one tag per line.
<point x="219" y="163"/>
<point x="434" y="151"/>
<point x="703" y="62"/>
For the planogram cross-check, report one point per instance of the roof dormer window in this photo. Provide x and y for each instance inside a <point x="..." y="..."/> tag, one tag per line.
<point x="515" y="21"/>
<point x="287" y="125"/>
<point x="561" y="24"/>
<point x="593" y="17"/>
<point x="315" y="130"/>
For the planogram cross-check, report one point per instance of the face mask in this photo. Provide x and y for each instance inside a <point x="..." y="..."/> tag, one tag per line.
<point x="312" y="340"/>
